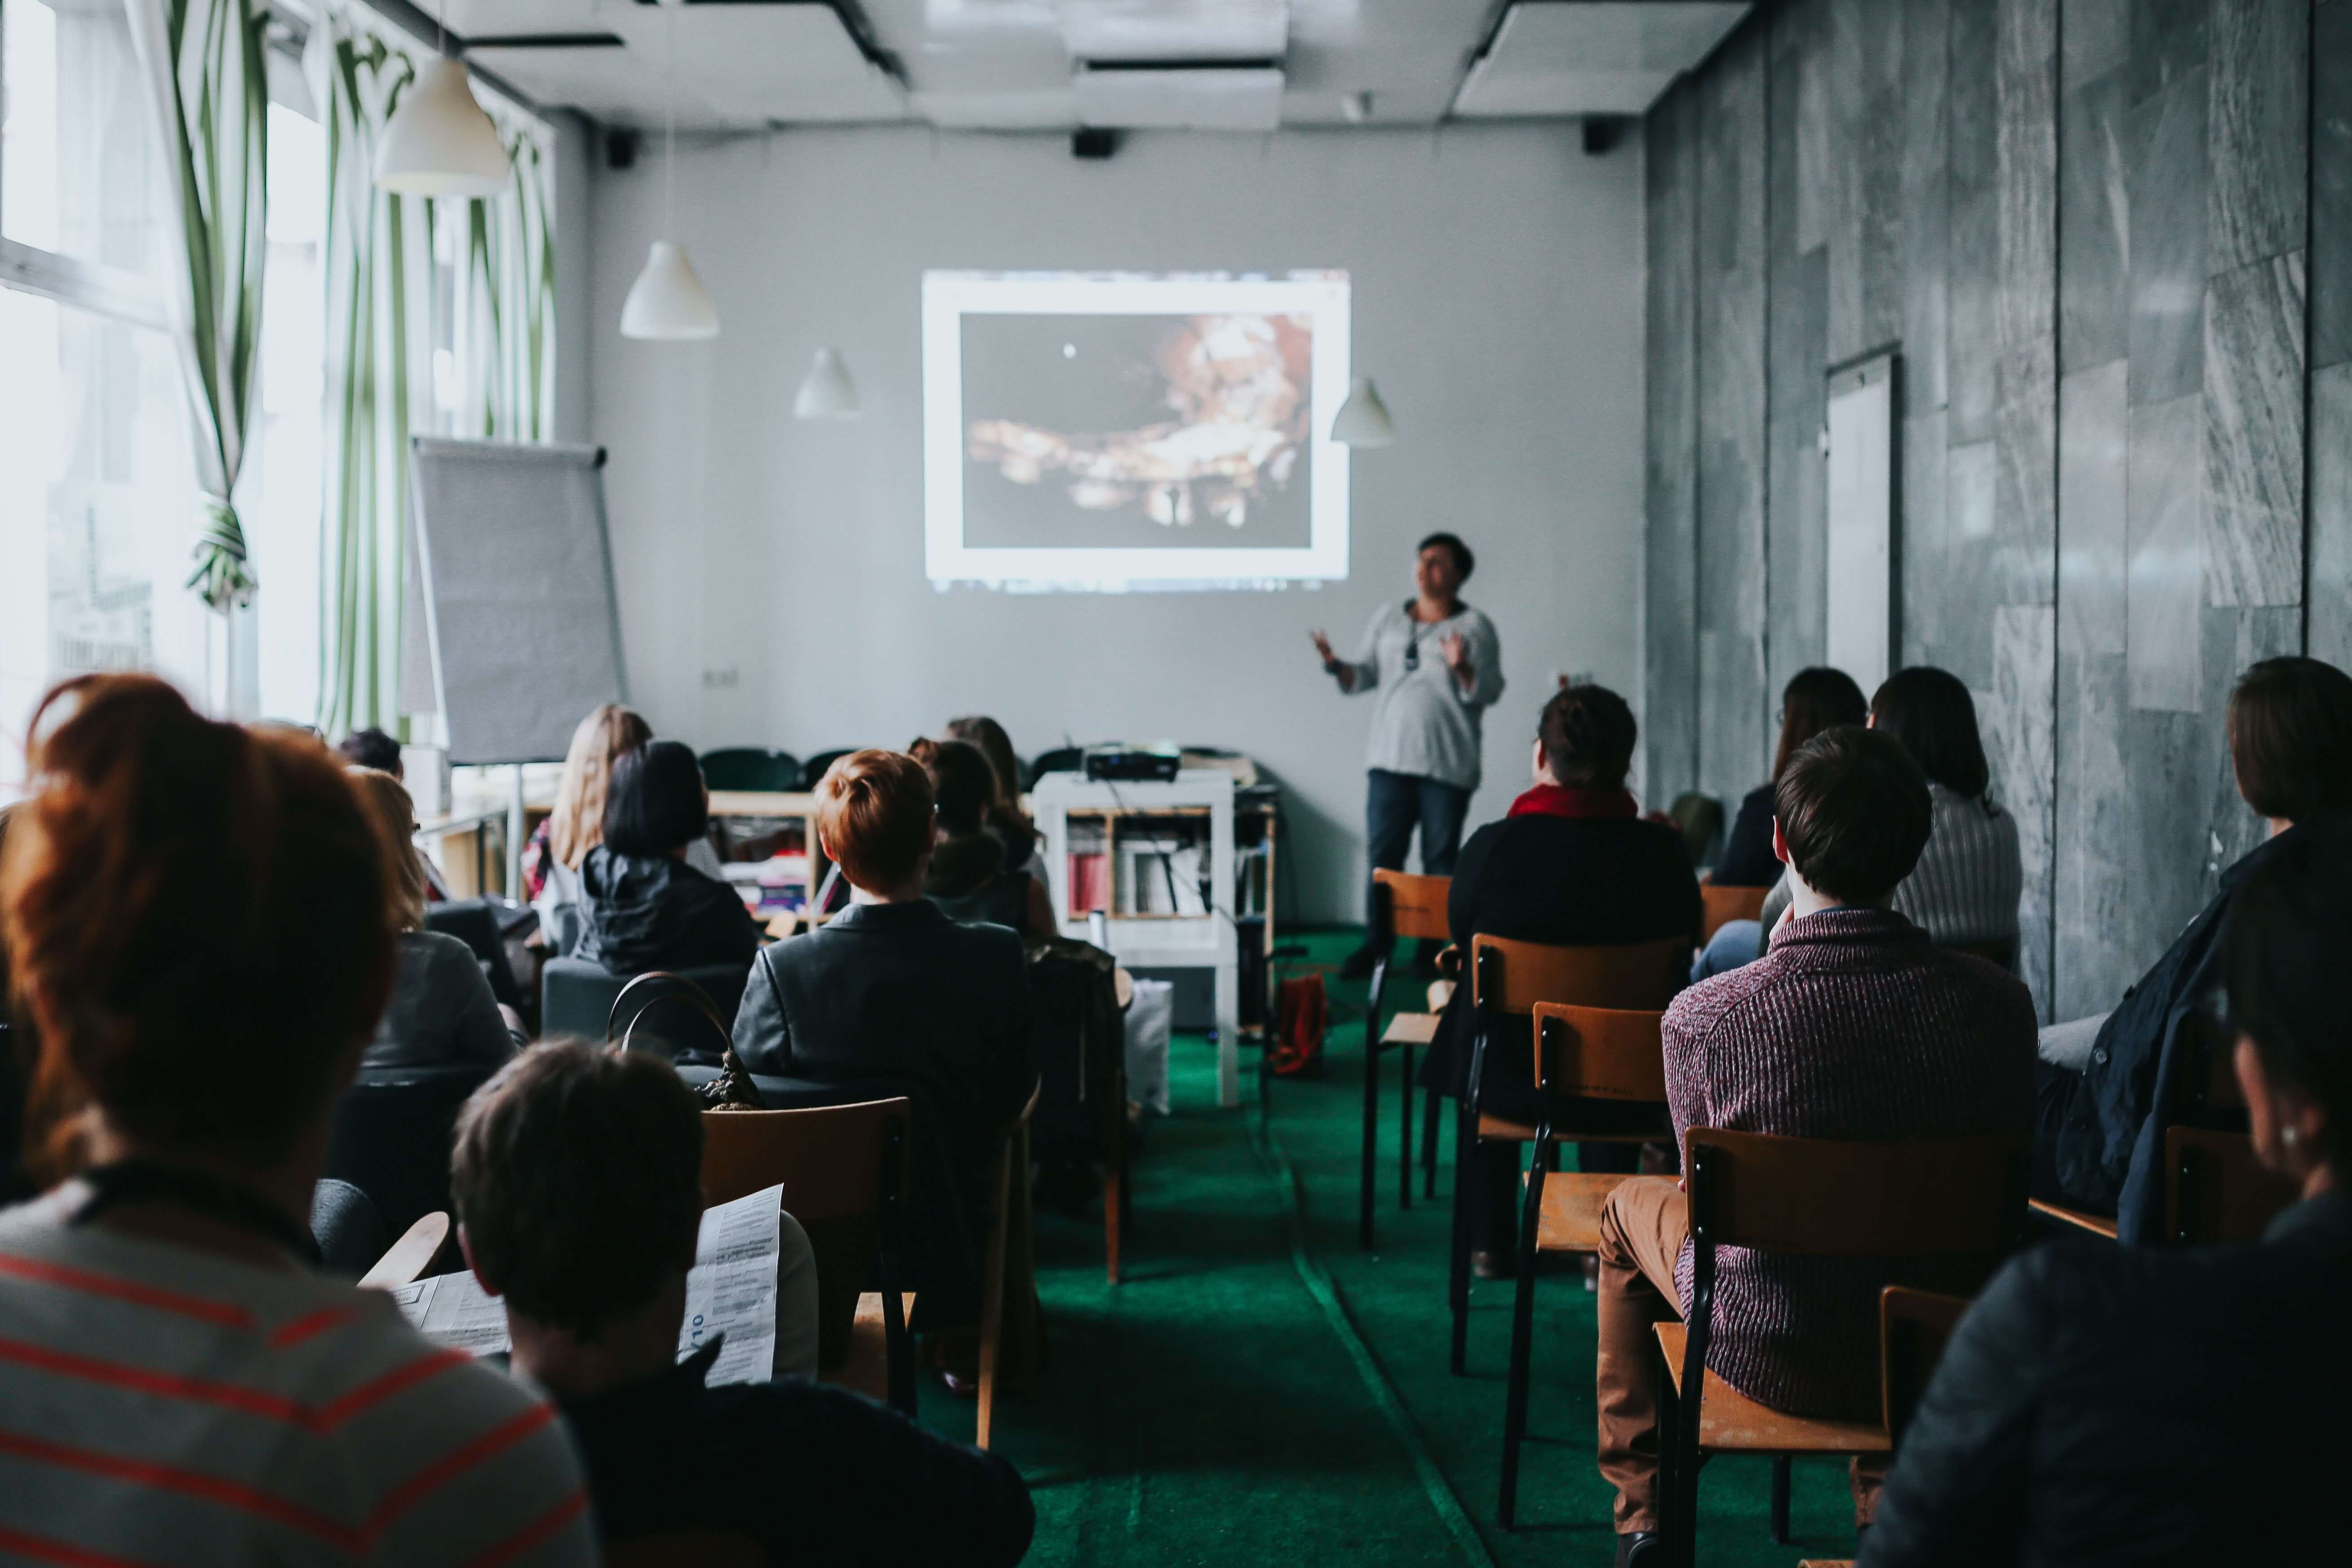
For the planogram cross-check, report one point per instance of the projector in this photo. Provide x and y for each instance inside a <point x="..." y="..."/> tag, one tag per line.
<point x="1124" y="764"/>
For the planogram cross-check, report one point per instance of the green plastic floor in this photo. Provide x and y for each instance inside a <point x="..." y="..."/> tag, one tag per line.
<point x="1260" y="1390"/>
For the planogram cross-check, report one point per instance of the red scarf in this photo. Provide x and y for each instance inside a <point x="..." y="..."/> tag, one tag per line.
<point x="1559" y="800"/>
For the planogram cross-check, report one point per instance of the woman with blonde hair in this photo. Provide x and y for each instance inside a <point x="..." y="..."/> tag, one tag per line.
<point x="550" y="861"/>
<point x="441" y="1013"/>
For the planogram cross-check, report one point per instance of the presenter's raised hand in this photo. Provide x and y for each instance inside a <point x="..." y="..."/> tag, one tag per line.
<point x="1334" y="665"/>
<point x="1456" y="654"/>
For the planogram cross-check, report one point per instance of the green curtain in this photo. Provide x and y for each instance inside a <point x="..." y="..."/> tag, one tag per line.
<point x="494" y="300"/>
<point x="203" y="62"/>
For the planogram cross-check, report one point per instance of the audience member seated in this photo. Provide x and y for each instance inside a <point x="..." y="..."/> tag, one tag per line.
<point x="890" y="990"/>
<point x="372" y="747"/>
<point x="644" y="908"/>
<point x="1006" y="820"/>
<point x="2109" y="1405"/>
<point x="577" y="1174"/>
<point x="552" y="857"/>
<point x="1965" y="889"/>
<point x="1813" y="700"/>
<point x="971" y="875"/>
<point x="441" y="1013"/>
<point x="1853" y="1026"/>
<point x="1572" y="864"/>
<point x="2099" y="1133"/>
<point x="197" y="916"/>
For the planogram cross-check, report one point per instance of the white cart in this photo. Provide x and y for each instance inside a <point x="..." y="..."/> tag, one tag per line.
<point x="1150" y="895"/>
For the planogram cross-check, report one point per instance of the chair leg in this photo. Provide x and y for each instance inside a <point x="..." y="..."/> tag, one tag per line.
<point x="1371" y="1146"/>
<point x="1404" y="1133"/>
<point x="1523" y="1310"/>
<point x="991" y="1298"/>
<point x="1780" y="1499"/>
<point x="1670" y="1522"/>
<point x="1458" y="1279"/>
<point x="1428" y="1126"/>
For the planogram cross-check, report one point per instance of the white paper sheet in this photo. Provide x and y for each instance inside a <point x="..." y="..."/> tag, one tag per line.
<point x="730" y="1290"/>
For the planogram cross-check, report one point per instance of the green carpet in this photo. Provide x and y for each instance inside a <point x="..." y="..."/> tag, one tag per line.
<point x="1260" y="1390"/>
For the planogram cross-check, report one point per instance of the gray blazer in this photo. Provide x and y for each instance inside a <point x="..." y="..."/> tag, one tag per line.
<point x="441" y="1013"/>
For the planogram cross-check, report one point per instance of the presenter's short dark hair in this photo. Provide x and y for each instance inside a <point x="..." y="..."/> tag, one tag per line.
<point x="1464" y="561"/>
<point x="1588" y="734"/>
<point x="1853" y="804"/>
<point x="656" y="801"/>
<point x="2291" y="737"/>
<point x="372" y="747"/>
<point x="577" y="1175"/>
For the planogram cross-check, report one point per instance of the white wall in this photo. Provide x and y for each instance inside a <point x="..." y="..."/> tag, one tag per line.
<point x="1498" y="299"/>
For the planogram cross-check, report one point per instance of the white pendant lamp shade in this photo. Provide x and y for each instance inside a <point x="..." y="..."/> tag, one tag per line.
<point x="668" y="302"/>
<point x="1363" y="419"/>
<point x="826" y="391"/>
<point x="438" y="142"/>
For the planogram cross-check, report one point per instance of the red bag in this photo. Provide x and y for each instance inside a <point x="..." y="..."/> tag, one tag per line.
<point x="1306" y="1012"/>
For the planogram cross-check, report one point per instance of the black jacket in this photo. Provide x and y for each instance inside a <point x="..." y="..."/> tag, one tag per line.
<point x="2109" y="1147"/>
<point x="901" y="995"/>
<point x="651" y="911"/>
<point x="819" y="1475"/>
<point x="2102" y="1405"/>
<point x="970" y="882"/>
<point x="1747" y="858"/>
<point x="1585" y="881"/>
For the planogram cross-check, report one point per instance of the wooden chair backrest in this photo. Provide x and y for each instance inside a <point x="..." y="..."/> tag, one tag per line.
<point x="2215" y="1191"/>
<point x="686" y="1549"/>
<point x="1599" y="1053"/>
<point x="1412" y="906"/>
<point x="1510" y="976"/>
<point x="1913" y="1328"/>
<point x="2212" y="1069"/>
<point x="838" y="1164"/>
<point x="1917" y="1198"/>
<point x="1720" y="906"/>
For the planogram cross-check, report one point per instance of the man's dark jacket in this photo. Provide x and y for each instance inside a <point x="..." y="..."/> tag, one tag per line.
<point x="2108" y="1405"/>
<point x="2106" y="1123"/>
<point x="819" y="1475"/>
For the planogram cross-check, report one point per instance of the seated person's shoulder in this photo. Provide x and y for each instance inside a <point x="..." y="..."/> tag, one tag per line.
<point x="1706" y="1003"/>
<point x="438" y="953"/>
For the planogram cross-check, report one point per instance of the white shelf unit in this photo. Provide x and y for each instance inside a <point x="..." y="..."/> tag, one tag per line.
<point x="1154" y="940"/>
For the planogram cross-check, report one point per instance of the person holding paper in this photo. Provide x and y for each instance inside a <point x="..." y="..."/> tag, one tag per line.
<point x="577" y="1175"/>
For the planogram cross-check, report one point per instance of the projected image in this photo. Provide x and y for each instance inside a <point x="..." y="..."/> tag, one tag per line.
<point x="1185" y="431"/>
<point x="1111" y="431"/>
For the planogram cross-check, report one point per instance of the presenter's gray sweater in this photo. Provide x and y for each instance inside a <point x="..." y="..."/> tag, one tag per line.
<point x="1423" y="722"/>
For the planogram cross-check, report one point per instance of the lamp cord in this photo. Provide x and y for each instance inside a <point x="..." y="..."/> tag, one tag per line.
<point x="670" y="122"/>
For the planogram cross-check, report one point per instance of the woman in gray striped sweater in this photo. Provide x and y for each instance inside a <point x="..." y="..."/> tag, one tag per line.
<point x="1964" y="892"/>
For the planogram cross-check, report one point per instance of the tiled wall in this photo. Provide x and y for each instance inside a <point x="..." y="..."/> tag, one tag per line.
<point x="2112" y="240"/>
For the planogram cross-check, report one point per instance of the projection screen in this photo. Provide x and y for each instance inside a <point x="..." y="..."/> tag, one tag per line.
<point x="1111" y="432"/>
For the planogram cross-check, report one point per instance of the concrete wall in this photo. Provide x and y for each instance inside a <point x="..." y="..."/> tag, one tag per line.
<point x="771" y="571"/>
<point x="2113" y="243"/>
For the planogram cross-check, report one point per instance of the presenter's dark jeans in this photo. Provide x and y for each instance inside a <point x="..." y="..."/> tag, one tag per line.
<point x="1394" y="803"/>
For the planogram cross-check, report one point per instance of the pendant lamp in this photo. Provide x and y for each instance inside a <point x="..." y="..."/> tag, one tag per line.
<point x="826" y="391"/>
<point x="667" y="303"/>
<point x="438" y="142"/>
<point x="1363" y="419"/>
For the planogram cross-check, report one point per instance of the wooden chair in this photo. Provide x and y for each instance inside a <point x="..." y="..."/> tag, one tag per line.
<point x="686" y="1549"/>
<point x="1718" y="907"/>
<point x="407" y="1260"/>
<point x="845" y="1171"/>
<point x="1961" y="1197"/>
<point x="1590" y="1054"/>
<point x="1914" y="1326"/>
<point x="2209" y="1099"/>
<point x="2215" y="1191"/>
<point x="1507" y="978"/>
<point x="1403" y="907"/>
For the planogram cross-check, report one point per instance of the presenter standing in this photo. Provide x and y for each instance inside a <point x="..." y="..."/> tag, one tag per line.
<point x="1435" y="665"/>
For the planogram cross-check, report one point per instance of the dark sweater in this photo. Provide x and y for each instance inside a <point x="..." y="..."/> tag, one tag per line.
<point x="819" y="1475"/>
<point x="1747" y="858"/>
<point x="969" y="881"/>
<point x="1568" y="881"/>
<point x="2108" y="1405"/>
<point x="1855" y="1026"/>
<point x="652" y="911"/>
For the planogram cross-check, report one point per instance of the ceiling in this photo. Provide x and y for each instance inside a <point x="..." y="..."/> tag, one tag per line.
<point x="1055" y="64"/>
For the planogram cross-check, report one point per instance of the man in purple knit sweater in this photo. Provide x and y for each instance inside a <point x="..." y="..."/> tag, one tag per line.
<point x="1853" y="1026"/>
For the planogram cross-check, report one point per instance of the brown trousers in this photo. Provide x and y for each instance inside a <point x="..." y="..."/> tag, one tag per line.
<point x="1642" y="1228"/>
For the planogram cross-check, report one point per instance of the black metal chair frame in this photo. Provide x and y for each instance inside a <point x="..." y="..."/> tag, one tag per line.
<point x="1383" y="938"/>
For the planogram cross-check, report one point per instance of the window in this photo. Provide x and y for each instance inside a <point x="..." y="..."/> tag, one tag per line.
<point x="283" y="525"/>
<point x="97" y="480"/>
